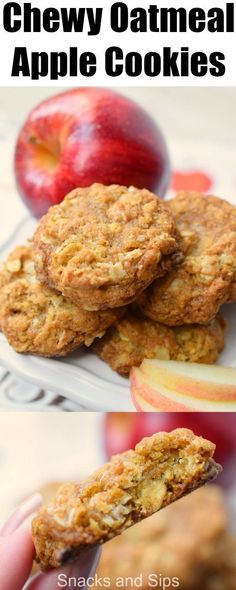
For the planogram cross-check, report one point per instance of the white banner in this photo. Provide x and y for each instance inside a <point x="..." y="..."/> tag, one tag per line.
<point x="132" y="43"/>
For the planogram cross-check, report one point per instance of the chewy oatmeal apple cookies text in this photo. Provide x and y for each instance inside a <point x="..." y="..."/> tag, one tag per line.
<point x="134" y="338"/>
<point x="194" y="291"/>
<point x="103" y="245"/>
<point x="131" y="487"/>
<point x="39" y="320"/>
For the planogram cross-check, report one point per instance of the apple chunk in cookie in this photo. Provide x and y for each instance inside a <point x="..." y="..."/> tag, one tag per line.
<point x="39" y="320"/>
<point x="132" y="486"/>
<point x="104" y="244"/>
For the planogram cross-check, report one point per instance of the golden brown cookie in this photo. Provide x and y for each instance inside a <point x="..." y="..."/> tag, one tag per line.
<point x="104" y="244"/>
<point x="194" y="291"/>
<point x="40" y="320"/>
<point x="134" y="338"/>
<point x="180" y="543"/>
<point x="131" y="487"/>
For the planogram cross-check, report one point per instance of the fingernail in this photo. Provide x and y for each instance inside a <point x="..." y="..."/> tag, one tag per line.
<point x="20" y="514"/>
<point x="27" y="523"/>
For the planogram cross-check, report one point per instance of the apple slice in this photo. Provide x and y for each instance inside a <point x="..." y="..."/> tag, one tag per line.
<point x="171" y="386"/>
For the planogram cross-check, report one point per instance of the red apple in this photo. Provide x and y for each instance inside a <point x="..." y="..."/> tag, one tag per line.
<point x="83" y="136"/>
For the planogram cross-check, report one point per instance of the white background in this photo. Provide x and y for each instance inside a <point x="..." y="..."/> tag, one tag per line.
<point x="141" y="42"/>
<point x="37" y="449"/>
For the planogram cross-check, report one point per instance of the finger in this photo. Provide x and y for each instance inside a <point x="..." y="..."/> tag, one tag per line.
<point x="60" y="578"/>
<point x="16" y="557"/>
<point x="20" y="514"/>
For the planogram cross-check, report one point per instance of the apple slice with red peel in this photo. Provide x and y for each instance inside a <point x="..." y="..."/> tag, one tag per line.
<point x="171" y="386"/>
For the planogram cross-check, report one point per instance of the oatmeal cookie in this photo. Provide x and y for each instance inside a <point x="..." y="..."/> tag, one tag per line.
<point x="39" y="320"/>
<point x="179" y="542"/>
<point x="132" y="486"/>
<point x="134" y="338"/>
<point x="194" y="291"/>
<point x="104" y="244"/>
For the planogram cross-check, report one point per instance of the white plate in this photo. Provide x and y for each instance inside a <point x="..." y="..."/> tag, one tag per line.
<point x="81" y="376"/>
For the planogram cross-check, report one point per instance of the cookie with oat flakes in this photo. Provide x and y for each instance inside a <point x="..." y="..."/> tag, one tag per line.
<point x="39" y="320"/>
<point x="134" y="338"/>
<point x="194" y="291"/>
<point x="131" y="487"/>
<point x="103" y="245"/>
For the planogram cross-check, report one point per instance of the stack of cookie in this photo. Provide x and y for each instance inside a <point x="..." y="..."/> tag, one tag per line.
<point x="118" y="268"/>
<point x="177" y="316"/>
